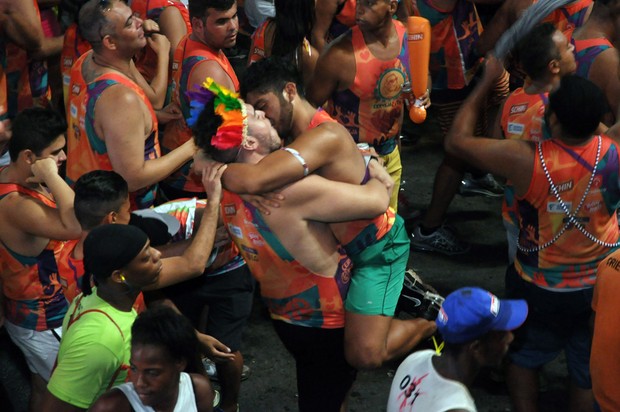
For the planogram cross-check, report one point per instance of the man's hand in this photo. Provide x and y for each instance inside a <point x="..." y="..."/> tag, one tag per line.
<point x="214" y="349"/>
<point x="493" y="68"/>
<point x="212" y="182"/>
<point x="425" y="99"/>
<point x="265" y="201"/>
<point x="376" y="171"/>
<point x="42" y="170"/>
<point x="168" y="113"/>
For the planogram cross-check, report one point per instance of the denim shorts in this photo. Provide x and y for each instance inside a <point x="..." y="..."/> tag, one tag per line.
<point x="557" y="321"/>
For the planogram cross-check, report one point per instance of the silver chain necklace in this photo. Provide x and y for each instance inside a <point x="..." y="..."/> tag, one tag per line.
<point x="571" y="216"/>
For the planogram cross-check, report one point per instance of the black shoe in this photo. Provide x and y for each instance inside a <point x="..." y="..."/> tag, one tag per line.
<point x="417" y="299"/>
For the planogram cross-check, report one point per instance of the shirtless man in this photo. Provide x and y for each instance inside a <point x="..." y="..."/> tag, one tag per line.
<point x="303" y="273"/>
<point x="123" y="135"/>
<point x="362" y="75"/>
<point x="36" y="214"/>
<point x="319" y="144"/>
<point x="199" y="55"/>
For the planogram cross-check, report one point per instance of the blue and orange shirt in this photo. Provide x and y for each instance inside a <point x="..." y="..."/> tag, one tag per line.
<point x="586" y="51"/>
<point x="86" y="151"/>
<point x="571" y="260"/>
<point x="454" y="34"/>
<point x="343" y="20"/>
<point x="372" y="107"/>
<point x="258" y="51"/>
<point x="187" y="56"/>
<point x="292" y="293"/>
<point x="569" y="17"/>
<point x="33" y="295"/>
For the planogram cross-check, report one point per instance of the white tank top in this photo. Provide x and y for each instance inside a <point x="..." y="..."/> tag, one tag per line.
<point x="186" y="401"/>
<point x="418" y="387"/>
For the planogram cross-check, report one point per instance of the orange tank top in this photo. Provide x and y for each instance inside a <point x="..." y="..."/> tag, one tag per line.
<point x="187" y="56"/>
<point x="33" y="295"/>
<point x="569" y="17"/>
<point x="552" y="251"/>
<point x="86" y="151"/>
<point x="372" y="108"/>
<point x="73" y="47"/>
<point x="146" y="60"/>
<point x="291" y="292"/>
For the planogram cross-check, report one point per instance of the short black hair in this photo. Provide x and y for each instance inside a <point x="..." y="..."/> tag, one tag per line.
<point x="35" y="129"/>
<point x="198" y="8"/>
<point x="271" y="75"/>
<point x="93" y="23"/>
<point x="162" y="326"/>
<point x="579" y="106"/>
<point x="536" y="50"/>
<point x="98" y="193"/>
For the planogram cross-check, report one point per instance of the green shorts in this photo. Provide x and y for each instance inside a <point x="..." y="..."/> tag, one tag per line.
<point x="378" y="273"/>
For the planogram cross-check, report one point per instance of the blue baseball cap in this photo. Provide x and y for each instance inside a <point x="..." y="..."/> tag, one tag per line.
<point x="469" y="313"/>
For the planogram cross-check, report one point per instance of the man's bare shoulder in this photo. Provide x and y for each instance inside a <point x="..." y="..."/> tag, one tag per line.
<point x="341" y="46"/>
<point x="112" y="401"/>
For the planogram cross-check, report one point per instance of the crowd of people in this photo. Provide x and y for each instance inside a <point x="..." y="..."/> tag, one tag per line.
<point x="148" y="185"/>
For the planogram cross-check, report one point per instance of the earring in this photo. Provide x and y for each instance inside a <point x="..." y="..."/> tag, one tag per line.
<point x="122" y="278"/>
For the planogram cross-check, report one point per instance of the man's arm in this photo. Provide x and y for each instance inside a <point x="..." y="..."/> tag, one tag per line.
<point x="513" y="159"/>
<point x="325" y="11"/>
<point x="37" y="219"/>
<point x="607" y="79"/>
<point x="210" y="68"/>
<point x="157" y="88"/>
<point x="23" y="27"/>
<point x="121" y="121"/>
<point x="112" y="401"/>
<point x="327" y="201"/>
<point x="172" y="25"/>
<point x="194" y="259"/>
<point x="318" y="147"/>
<point x="503" y="18"/>
<point x="334" y="64"/>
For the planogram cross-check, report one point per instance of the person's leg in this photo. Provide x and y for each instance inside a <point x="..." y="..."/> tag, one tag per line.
<point x="39" y="386"/>
<point x="372" y="340"/>
<point x="446" y="185"/>
<point x="523" y="388"/>
<point x="323" y="376"/>
<point x="229" y="298"/>
<point x="372" y="335"/>
<point x="394" y="167"/>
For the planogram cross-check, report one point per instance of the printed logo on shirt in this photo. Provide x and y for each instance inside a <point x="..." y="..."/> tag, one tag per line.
<point x="235" y="230"/>
<point x="67" y="61"/>
<point x="76" y="89"/>
<point x="518" y="108"/>
<point x="556" y="207"/>
<point x="563" y="186"/>
<point x="230" y="209"/>
<point x="516" y="128"/>
<point x="390" y="84"/>
<point x="256" y="239"/>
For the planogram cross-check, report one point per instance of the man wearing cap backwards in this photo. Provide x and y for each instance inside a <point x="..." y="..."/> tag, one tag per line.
<point x="94" y="352"/>
<point x="476" y="328"/>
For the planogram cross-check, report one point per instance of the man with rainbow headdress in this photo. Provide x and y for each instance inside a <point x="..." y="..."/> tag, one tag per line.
<point x="379" y="247"/>
<point x="303" y="272"/>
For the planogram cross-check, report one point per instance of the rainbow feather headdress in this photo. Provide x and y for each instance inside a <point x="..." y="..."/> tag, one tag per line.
<point x="234" y="128"/>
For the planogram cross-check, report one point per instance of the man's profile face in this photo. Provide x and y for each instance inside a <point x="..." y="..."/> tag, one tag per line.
<point x="495" y="346"/>
<point x="370" y="14"/>
<point x="128" y="31"/>
<point x="261" y="129"/>
<point x="276" y="109"/>
<point x="55" y="151"/>
<point x="567" y="57"/>
<point x="220" y="28"/>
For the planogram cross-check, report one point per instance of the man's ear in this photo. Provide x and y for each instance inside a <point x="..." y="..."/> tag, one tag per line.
<point x="197" y="24"/>
<point x="110" y="218"/>
<point x="28" y="156"/>
<point x="554" y="66"/>
<point x="108" y="42"/>
<point x="249" y="143"/>
<point x="289" y="92"/>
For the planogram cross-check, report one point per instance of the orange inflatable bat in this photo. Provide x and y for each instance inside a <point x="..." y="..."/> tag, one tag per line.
<point x="419" y="42"/>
